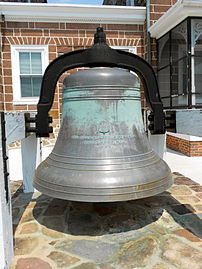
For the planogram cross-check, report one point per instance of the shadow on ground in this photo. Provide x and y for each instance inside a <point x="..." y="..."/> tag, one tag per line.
<point x="18" y="205"/>
<point x="95" y="219"/>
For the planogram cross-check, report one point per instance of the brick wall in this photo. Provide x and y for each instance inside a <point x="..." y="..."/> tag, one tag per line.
<point x="158" y="8"/>
<point x="65" y="37"/>
<point x="189" y="148"/>
<point x="60" y="38"/>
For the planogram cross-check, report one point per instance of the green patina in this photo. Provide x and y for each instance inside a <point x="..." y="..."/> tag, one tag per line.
<point x="105" y="114"/>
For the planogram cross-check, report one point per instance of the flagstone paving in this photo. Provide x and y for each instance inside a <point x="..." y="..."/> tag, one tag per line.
<point x="159" y="232"/>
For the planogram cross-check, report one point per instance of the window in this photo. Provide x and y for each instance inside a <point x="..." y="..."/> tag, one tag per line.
<point x="180" y="65"/>
<point x="197" y="61"/>
<point x="28" y="65"/>
<point x="172" y="67"/>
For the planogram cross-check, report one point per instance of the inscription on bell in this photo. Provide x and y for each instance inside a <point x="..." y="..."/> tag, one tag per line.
<point x="104" y="127"/>
<point x="103" y="139"/>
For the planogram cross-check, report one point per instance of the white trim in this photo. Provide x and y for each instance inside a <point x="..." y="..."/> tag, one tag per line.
<point x="73" y="13"/>
<point x="176" y="14"/>
<point x="185" y="137"/>
<point x="131" y="49"/>
<point x="15" y="49"/>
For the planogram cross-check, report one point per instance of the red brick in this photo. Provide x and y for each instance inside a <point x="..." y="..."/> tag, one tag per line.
<point x="62" y="25"/>
<point x="46" y="32"/>
<point x="64" y="33"/>
<point x="6" y="64"/>
<point x="17" y="24"/>
<point x="8" y="32"/>
<point x="32" y="107"/>
<point x="8" y="106"/>
<point x="31" y="32"/>
<point x="132" y="35"/>
<point x="52" y="48"/>
<point x="48" y="25"/>
<point x="82" y="33"/>
<point x="160" y="2"/>
<point x="8" y="97"/>
<point x="20" y="107"/>
<point x="161" y="9"/>
<point x="155" y="16"/>
<point x="186" y="147"/>
<point x="8" y="89"/>
<point x="125" y="27"/>
<point x="6" y="55"/>
<point x="7" y="72"/>
<point x="110" y="34"/>
<point x="6" y="48"/>
<point x="31" y="25"/>
<point x="82" y="26"/>
<point x="8" y="80"/>
<point x="34" y="42"/>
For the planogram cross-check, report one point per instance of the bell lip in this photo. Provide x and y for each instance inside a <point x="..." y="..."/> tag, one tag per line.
<point x="115" y="197"/>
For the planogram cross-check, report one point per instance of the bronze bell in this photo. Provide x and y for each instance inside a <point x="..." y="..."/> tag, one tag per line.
<point x="102" y="153"/>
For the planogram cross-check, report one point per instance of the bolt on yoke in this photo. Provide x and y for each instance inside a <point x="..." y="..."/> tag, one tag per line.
<point x="99" y="55"/>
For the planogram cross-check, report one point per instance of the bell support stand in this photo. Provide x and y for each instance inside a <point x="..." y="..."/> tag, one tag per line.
<point x="99" y="55"/>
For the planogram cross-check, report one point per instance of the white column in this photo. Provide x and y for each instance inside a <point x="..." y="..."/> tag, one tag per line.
<point x="30" y="146"/>
<point x="31" y="157"/>
<point x="6" y="232"/>
<point x="158" y="143"/>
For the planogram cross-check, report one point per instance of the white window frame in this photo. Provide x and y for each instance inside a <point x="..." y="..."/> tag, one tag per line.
<point x="128" y="48"/>
<point x="15" y="49"/>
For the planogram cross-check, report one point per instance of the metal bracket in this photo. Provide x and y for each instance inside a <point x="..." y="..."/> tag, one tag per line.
<point x="30" y="124"/>
<point x="170" y="121"/>
<point x="99" y="55"/>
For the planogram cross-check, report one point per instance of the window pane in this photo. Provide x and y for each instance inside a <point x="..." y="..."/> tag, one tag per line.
<point x="180" y="101"/>
<point x="36" y="67"/>
<point x="36" y="82"/>
<point x="179" y="83"/>
<point x="30" y="86"/>
<point x="197" y="36"/>
<point x="166" y="102"/>
<point x="198" y="79"/>
<point x="164" y="82"/>
<point x="26" y="86"/>
<point x="179" y="41"/>
<point x="163" y="51"/>
<point x="24" y="58"/>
